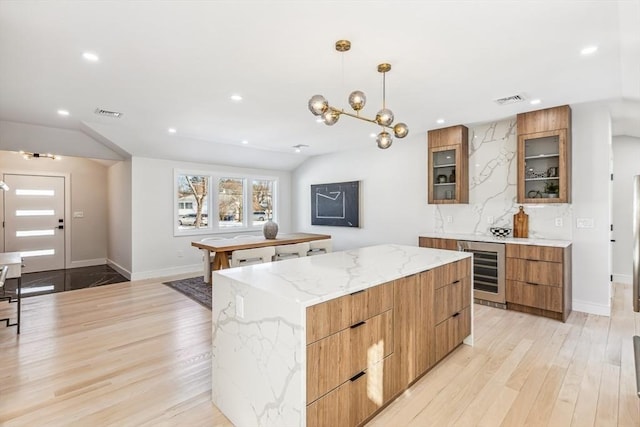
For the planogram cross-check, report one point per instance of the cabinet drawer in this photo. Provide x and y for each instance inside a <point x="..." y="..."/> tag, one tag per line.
<point x="451" y="299"/>
<point x="540" y="253"/>
<point x="437" y="243"/>
<point x="358" y="398"/>
<point x="534" y="272"/>
<point x="333" y="360"/>
<point x="539" y="296"/>
<point x="337" y="314"/>
<point x="449" y="273"/>
<point x="451" y="332"/>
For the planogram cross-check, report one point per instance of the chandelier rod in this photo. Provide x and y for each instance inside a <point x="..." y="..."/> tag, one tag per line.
<point x="356" y="116"/>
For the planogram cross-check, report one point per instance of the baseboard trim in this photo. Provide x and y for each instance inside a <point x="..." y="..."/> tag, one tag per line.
<point x="87" y="263"/>
<point x="591" y="308"/>
<point x="165" y="272"/>
<point x="126" y="273"/>
<point x="625" y="279"/>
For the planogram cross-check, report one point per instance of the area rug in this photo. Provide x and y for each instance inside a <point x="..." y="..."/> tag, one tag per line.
<point x="195" y="288"/>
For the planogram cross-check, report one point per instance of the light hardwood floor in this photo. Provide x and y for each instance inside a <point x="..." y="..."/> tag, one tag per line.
<point x="140" y="354"/>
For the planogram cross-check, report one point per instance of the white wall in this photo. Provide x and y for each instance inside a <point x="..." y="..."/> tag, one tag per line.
<point x="626" y="164"/>
<point x="393" y="193"/>
<point x="394" y="209"/>
<point x="119" y="197"/>
<point x="156" y="252"/>
<point x="88" y="195"/>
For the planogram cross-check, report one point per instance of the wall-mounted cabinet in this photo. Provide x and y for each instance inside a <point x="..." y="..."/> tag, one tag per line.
<point x="544" y="150"/>
<point x="448" y="165"/>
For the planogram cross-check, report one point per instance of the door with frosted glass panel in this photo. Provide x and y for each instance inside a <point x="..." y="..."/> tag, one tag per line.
<point x="34" y="220"/>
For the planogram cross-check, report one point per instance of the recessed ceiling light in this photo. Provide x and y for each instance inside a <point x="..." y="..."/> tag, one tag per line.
<point x="535" y="102"/>
<point x="90" y="56"/>
<point x="63" y="112"/>
<point x="245" y="142"/>
<point x="372" y="135"/>
<point x="172" y="130"/>
<point x="319" y="120"/>
<point x="236" y="97"/>
<point x="588" y="50"/>
<point x="440" y="121"/>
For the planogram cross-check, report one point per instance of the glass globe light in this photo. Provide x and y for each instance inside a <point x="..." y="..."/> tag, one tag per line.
<point x="318" y="105"/>
<point x="330" y="117"/>
<point x="384" y="117"/>
<point x="357" y="99"/>
<point x="400" y="130"/>
<point x="384" y="140"/>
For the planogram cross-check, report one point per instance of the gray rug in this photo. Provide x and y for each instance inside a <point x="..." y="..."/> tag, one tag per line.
<point x="195" y="288"/>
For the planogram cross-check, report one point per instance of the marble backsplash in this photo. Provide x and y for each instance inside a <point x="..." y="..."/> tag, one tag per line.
<point x="492" y="190"/>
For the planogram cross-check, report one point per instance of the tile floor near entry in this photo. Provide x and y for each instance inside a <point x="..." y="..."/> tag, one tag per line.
<point x="48" y="282"/>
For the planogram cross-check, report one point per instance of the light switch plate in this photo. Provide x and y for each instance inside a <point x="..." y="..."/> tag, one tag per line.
<point x="559" y="222"/>
<point x="449" y="219"/>
<point x="584" y="222"/>
<point x="78" y="214"/>
<point x="240" y="306"/>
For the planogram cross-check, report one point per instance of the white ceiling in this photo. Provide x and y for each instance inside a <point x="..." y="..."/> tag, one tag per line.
<point x="176" y="63"/>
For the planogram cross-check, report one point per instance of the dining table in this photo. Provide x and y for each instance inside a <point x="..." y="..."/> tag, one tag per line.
<point x="222" y="248"/>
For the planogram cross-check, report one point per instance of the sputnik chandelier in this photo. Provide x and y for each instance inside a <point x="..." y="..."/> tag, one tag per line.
<point x="319" y="106"/>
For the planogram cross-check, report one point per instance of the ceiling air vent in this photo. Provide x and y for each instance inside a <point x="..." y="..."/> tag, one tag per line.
<point x="509" y="100"/>
<point x="107" y="113"/>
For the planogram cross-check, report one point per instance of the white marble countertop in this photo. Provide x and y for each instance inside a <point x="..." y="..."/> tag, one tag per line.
<point x="314" y="279"/>
<point x="491" y="238"/>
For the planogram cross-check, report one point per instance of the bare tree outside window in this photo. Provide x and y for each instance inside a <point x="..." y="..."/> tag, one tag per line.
<point x="230" y="202"/>
<point x="192" y="201"/>
<point x="262" y="201"/>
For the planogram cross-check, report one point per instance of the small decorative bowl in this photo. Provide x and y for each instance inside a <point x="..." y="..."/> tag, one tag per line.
<point x="500" y="231"/>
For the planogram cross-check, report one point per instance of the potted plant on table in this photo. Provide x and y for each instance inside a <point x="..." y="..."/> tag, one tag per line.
<point x="551" y="189"/>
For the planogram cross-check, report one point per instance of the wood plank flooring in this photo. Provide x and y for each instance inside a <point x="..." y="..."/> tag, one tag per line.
<point x="139" y="354"/>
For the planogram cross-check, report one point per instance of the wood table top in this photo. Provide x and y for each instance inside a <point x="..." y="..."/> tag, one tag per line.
<point x="232" y="244"/>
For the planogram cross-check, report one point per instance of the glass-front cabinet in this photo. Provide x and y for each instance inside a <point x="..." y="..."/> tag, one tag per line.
<point x="448" y="176"/>
<point x="543" y="156"/>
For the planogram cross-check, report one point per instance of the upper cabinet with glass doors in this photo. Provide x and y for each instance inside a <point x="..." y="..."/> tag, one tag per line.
<point x="544" y="156"/>
<point x="448" y="165"/>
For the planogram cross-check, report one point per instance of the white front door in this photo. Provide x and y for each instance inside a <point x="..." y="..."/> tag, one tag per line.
<point x="34" y="220"/>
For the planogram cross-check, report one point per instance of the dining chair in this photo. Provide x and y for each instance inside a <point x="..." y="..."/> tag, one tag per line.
<point x="211" y="255"/>
<point x="317" y="247"/>
<point x="294" y="250"/>
<point x="243" y="257"/>
<point x="3" y="297"/>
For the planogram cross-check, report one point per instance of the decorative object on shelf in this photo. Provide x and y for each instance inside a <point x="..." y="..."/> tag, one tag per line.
<point x="534" y="194"/>
<point x="442" y="179"/>
<point x="521" y="223"/>
<point x="535" y="174"/>
<point x="336" y="204"/>
<point x="500" y="231"/>
<point x="319" y="106"/>
<point x="551" y="189"/>
<point x="4" y="186"/>
<point x="29" y="155"/>
<point x="552" y="172"/>
<point x="270" y="230"/>
<point x="452" y="177"/>
<point x="448" y="194"/>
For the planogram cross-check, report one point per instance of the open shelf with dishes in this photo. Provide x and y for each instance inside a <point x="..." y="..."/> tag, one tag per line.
<point x="448" y="180"/>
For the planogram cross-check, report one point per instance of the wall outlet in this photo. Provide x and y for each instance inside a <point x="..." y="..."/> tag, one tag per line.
<point x="180" y="253"/>
<point x="559" y="222"/>
<point x="449" y="219"/>
<point x="239" y="306"/>
<point x="489" y="220"/>
<point x="78" y="214"/>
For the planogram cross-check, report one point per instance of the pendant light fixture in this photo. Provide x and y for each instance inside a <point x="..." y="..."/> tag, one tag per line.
<point x="319" y="106"/>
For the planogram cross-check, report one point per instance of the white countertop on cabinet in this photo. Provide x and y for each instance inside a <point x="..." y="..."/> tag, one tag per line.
<point x="259" y="324"/>
<point x="493" y="239"/>
<point x="314" y="279"/>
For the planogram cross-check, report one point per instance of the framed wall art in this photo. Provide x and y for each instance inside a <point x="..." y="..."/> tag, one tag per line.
<point x="336" y="204"/>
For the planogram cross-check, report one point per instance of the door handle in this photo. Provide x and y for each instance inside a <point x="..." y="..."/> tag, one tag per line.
<point x="60" y="227"/>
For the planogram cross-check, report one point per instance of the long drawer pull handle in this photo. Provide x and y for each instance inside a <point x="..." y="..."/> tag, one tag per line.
<point x="456" y="315"/>
<point x="457" y="281"/>
<point x="356" y="376"/>
<point x="358" y="324"/>
<point x="357" y="292"/>
<point x="533" y="283"/>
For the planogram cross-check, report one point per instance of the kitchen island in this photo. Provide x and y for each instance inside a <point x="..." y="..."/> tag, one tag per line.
<point x="331" y="339"/>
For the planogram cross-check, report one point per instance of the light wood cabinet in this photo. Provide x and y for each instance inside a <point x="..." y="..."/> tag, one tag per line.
<point x="539" y="280"/>
<point x="448" y="165"/>
<point x="544" y="156"/>
<point x="437" y="243"/>
<point x="381" y="341"/>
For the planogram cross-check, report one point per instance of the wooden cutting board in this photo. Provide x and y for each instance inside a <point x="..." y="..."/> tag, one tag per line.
<point x="521" y="224"/>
